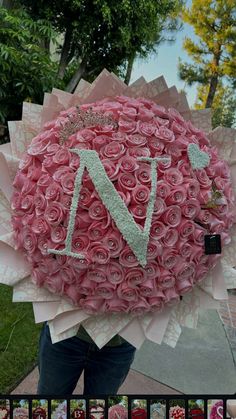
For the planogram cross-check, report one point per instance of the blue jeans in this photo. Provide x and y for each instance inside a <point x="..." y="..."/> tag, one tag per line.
<point x="61" y="365"/>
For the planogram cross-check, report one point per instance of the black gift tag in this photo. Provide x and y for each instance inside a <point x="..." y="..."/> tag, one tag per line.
<point x="212" y="244"/>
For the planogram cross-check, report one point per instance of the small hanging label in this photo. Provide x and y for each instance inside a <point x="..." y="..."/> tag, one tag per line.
<point x="212" y="244"/>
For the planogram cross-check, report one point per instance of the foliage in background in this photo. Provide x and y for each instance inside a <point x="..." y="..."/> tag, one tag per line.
<point x="223" y="106"/>
<point x="105" y="33"/>
<point x="214" y="55"/>
<point x="18" y="340"/>
<point x="77" y="403"/>
<point x="177" y="402"/>
<point x="118" y="400"/>
<point x="26" y="69"/>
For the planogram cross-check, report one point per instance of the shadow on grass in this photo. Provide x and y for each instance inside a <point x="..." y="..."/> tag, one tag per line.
<point x="19" y="337"/>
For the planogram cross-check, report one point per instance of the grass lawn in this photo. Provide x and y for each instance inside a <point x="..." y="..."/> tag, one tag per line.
<point x="18" y="340"/>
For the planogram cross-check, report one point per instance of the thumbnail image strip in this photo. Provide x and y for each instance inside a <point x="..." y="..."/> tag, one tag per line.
<point x="118" y="407"/>
<point x="158" y="409"/>
<point x="77" y="409"/>
<point x="196" y="409"/>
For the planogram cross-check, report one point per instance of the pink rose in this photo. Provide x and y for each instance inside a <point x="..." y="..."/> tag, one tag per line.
<point x="114" y="273"/>
<point x="72" y="294"/>
<point x="184" y="286"/>
<point x="184" y="249"/>
<point x="66" y="201"/>
<point x="105" y="290"/>
<point x="199" y="235"/>
<point x="52" y="149"/>
<point x="128" y="164"/>
<point x="178" y="128"/>
<point x="143" y="174"/>
<point x="44" y="244"/>
<point x="27" y="203"/>
<point x="28" y="240"/>
<point x="145" y="115"/>
<point x="128" y="113"/>
<point x="39" y="144"/>
<point x="166" y="279"/>
<point x="147" y="288"/>
<point x="175" y="115"/>
<point x="48" y="165"/>
<point x="169" y="258"/>
<point x="184" y="271"/>
<point x="139" y="152"/>
<point x="96" y="274"/>
<point x="97" y="211"/>
<point x="67" y="183"/>
<point x="201" y="272"/>
<point x="53" y="192"/>
<point x="127" y="126"/>
<point x="34" y="173"/>
<point x="154" y="249"/>
<point x="99" y="254"/>
<point x="74" y="162"/>
<point x="173" y="177"/>
<point x="156" y="303"/>
<point x="54" y="213"/>
<point x="126" y="181"/>
<point x="171" y="296"/>
<point x="141" y="194"/>
<point x="138" y="211"/>
<point x="172" y="216"/>
<point x="80" y="242"/>
<point x="86" y="286"/>
<point x="159" y="207"/>
<point x="16" y="201"/>
<point x="126" y="293"/>
<point x="85" y="198"/>
<point x="158" y="230"/>
<point x="81" y="264"/>
<point x="140" y="308"/>
<point x="114" y="242"/>
<point x="91" y="305"/>
<point x="54" y="284"/>
<point x="112" y="151"/>
<point x="160" y="111"/>
<point x="135" y="276"/>
<point x="85" y="135"/>
<point x="100" y="141"/>
<point x="191" y="208"/>
<point x="177" y="196"/>
<point x="44" y="181"/>
<point x="152" y="269"/>
<point x="136" y="140"/>
<point x="163" y="189"/>
<point x="38" y="277"/>
<point x="145" y="128"/>
<point x="40" y="226"/>
<point x="58" y="234"/>
<point x="185" y="168"/>
<point x="59" y="173"/>
<point x="173" y="150"/>
<point x="115" y="305"/>
<point x="83" y="220"/>
<point x="203" y="179"/>
<point x="97" y="231"/>
<point x="125" y="196"/>
<point x="25" y="162"/>
<point x="68" y="275"/>
<point x="170" y="238"/>
<point x="156" y="146"/>
<point x="165" y="134"/>
<point x="192" y="188"/>
<point x="127" y="258"/>
<point x="29" y="187"/>
<point x="111" y="168"/>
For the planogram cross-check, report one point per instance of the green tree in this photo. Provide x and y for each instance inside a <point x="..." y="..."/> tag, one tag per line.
<point x="214" y="55"/>
<point x="105" y="33"/>
<point x="223" y="106"/>
<point x="26" y="70"/>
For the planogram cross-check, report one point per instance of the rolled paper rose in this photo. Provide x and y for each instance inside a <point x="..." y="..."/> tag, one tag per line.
<point x="125" y="292"/>
<point x="135" y="276"/>
<point x="114" y="272"/>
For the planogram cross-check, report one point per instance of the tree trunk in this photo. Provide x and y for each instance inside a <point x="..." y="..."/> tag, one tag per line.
<point x="212" y="91"/>
<point x="77" y="76"/>
<point x="65" y="52"/>
<point x="129" y="69"/>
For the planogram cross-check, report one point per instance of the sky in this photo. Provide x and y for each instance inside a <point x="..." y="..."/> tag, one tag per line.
<point x="165" y="63"/>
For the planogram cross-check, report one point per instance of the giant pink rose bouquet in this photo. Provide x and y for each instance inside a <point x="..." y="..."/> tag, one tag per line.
<point x="106" y="200"/>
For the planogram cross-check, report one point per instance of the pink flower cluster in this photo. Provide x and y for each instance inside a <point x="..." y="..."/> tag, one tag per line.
<point x="217" y="410"/>
<point x="110" y="278"/>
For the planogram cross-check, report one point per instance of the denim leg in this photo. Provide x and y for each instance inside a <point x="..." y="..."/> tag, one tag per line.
<point x="60" y="364"/>
<point x="107" y="368"/>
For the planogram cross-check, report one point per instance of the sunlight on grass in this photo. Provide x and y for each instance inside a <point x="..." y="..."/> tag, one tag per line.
<point x="18" y="340"/>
